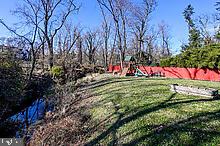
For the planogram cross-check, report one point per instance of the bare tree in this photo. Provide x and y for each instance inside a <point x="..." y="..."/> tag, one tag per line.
<point x="106" y="35"/>
<point x="43" y="20"/>
<point x="113" y="48"/>
<point x="204" y="22"/>
<point x="54" y="14"/>
<point x="67" y="39"/>
<point x="118" y="9"/>
<point x="79" y="45"/>
<point x="92" y="43"/>
<point x="150" y="40"/>
<point x="30" y="17"/>
<point x="139" y="21"/>
<point x="165" y="39"/>
<point x="42" y="49"/>
<point x="123" y="6"/>
<point x="216" y="27"/>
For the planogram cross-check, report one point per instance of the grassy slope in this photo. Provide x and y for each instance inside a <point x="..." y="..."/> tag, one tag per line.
<point x="144" y="112"/>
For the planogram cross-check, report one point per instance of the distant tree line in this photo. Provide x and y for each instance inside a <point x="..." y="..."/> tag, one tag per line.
<point x="49" y="37"/>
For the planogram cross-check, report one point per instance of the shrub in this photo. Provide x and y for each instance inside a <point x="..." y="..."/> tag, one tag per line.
<point x="57" y="71"/>
<point x="99" y="69"/>
<point x="205" y="57"/>
<point x="11" y="78"/>
<point x="166" y="62"/>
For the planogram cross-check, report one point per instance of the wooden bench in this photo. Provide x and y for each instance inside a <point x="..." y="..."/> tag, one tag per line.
<point x="206" y="92"/>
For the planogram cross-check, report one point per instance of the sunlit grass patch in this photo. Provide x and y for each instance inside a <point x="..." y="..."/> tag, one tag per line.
<point x="140" y="111"/>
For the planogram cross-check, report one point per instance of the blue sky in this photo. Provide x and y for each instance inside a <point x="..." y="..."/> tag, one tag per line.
<point x="169" y="11"/>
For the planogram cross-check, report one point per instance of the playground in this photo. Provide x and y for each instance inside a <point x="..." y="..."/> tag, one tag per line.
<point x="131" y="68"/>
<point x="143" y="111"/>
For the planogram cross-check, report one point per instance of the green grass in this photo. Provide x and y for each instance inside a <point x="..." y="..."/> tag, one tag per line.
<point x="140" y="111"/>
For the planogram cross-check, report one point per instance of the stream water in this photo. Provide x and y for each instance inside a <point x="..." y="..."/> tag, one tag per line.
<point x="30" y="115"/>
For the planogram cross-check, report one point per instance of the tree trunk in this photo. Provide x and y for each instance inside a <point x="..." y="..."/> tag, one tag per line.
<point x="80" y="52"/>
<point x="120" y="44"/>
<point x="124" y="38"/>
<point x="140" y="46"/>
<point x="33" y="61"/>
<point x="50" y="59"/>
<point x="90" y="58"/>
<point x="121" y="61"/>
<point x="43" y="57"/>
<point x="106" y="54"/>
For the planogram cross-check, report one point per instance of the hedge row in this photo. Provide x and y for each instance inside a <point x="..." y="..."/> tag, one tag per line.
<point x="205" y="57"/>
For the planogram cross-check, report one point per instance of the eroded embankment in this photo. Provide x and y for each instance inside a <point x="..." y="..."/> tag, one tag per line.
<point x="69" y="123"/>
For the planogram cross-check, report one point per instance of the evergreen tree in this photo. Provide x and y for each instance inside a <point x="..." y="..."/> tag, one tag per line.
<point x="188" y="12"/>
<point x="194" y="34"/>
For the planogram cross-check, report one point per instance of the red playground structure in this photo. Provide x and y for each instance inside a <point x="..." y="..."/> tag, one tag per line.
<point x="130" y="68"/>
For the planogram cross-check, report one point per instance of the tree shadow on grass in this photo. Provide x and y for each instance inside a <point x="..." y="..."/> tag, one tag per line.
<point x="96" y="84"/>
<point x="119" y="123"/>
<point x="119" y="95"/>
<point x="128" y="86"/>
<point x="103" y="82"/>
<point x="173" y="131"/>
<point x="122" y="120"/>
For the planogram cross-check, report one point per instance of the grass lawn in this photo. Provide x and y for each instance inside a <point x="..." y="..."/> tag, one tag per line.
<point x="143" y="111"/>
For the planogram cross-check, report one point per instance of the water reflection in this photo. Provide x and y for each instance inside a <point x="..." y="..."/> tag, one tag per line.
<point x="30" y="115"/>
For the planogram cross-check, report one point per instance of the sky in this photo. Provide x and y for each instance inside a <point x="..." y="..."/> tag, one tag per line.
<point x="169" y="11"/>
